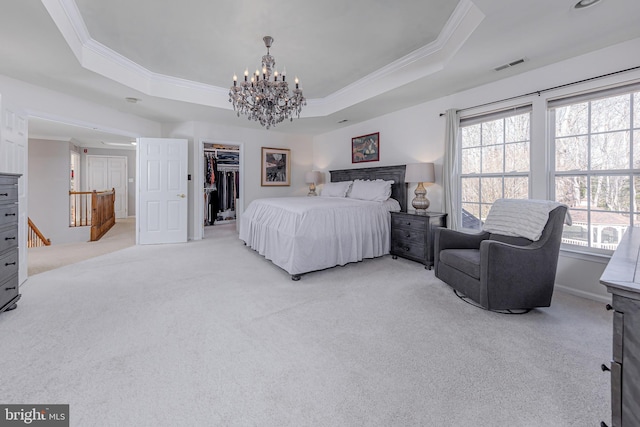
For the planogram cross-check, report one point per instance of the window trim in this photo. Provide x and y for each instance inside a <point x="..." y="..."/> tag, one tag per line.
<point x="630" y="172"/>
<point x="488" y="117"/>
<point x="592" y="95"/>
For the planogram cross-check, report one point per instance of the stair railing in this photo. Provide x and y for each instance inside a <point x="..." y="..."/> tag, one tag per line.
<point x="35" y="237"/>
<point x="93" y="208"/>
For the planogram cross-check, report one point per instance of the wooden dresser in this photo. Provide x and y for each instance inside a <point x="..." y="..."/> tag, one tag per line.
<point x="622" y="279"/>
<point x="9" y="294"/>
<point x="412" y="235"/>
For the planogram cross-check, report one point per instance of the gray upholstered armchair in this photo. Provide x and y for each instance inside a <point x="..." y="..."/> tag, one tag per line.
<point x="502" y="272"/>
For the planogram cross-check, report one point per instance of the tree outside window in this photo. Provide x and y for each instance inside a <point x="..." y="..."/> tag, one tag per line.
<point x="597" y="167"/>
<point x="495" y="162"/>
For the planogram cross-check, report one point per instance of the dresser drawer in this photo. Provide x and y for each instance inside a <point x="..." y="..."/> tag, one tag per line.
<point x="618" y="335"/>
<point x="8" y="214"/>
<point x="8" y="290"/>
<point x="9" y="264"/>
<point x="9" y="179"/>
<point x="8" y="238"/>
<point x="616" y="394"/>
<point x="8" y="194"/>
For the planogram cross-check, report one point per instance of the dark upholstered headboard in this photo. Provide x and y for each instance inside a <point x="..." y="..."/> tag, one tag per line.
<point x="389" y="173"/>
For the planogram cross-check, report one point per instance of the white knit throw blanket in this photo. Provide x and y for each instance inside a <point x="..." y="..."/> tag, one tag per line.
<point x="519" y="217"/>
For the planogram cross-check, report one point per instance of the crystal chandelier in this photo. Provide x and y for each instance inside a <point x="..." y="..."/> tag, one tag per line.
<point x="265" y="99"/>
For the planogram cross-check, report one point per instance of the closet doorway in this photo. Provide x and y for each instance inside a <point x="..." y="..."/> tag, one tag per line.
<point x="221" y="184"/>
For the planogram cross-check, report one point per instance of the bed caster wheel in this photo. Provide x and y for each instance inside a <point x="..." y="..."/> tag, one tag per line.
<point x="295" y="277"/>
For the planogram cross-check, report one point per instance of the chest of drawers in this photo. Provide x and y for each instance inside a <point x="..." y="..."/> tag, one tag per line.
<point x="622" y="281"/>
<point x="412" y="235"/>
<point x="9" y="292"/>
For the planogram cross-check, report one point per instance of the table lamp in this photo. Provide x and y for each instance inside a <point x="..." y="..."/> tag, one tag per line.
<point x="420" y="172"/>
<point x="312" y="178"/>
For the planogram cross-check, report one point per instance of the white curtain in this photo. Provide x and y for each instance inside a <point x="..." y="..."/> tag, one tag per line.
<point x="450" y="169"/>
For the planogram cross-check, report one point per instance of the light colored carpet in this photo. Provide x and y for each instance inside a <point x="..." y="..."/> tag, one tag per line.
<point x="47" y="258"/>
<point x="209" y="333"/>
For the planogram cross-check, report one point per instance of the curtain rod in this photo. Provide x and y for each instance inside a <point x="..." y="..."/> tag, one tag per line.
<point x="539" y="92"/>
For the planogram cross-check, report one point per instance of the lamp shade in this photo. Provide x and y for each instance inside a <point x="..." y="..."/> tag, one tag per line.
<point x="420" y="172"/>
<point x="313" y="177"/>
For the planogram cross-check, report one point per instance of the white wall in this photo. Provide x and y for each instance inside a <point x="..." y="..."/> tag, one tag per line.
<point x="59" y="106"/>
<point x="409" y="136"/>
<point x="417" y="134"/>
<point x="48" y="192"/>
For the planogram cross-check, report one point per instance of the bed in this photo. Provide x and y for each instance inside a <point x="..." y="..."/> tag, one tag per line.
<point x="305" y="234"/>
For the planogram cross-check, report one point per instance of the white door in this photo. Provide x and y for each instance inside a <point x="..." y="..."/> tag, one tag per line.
<point x="162" y="191"/>
<point x="13" y="159"/>
<point x="107" y="172"/>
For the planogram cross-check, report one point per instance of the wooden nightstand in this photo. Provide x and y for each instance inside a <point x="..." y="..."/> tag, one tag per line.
<point x="412" y="235"/>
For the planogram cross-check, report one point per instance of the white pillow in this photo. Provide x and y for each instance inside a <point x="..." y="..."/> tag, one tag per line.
<point x="376" y="191"/>
<point x="335" y="189"/>
<point x="392" y="205"/>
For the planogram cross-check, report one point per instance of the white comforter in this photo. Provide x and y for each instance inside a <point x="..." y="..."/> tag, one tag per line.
<point x="303" y="234"/>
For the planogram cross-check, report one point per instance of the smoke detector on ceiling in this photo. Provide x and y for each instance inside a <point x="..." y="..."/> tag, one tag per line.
<point x="510" y="64"/>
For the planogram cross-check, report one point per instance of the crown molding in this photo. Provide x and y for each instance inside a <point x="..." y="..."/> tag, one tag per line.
<point x="79" y="123"/>
<point x="420" y="63"/>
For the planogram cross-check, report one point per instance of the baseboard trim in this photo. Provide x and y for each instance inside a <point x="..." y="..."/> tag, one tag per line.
<point x="584" y="294"/>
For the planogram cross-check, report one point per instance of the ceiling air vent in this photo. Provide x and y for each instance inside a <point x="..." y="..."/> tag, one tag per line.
<point x="510" y="64"/>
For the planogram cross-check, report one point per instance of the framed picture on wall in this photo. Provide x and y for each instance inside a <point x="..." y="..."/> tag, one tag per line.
<point x="276" y="167"/>
<point x="365" y="148"/>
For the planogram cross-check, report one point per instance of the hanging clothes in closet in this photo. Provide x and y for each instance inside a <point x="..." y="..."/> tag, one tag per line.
<point x="211" y="169"/>
<point x="227" y="183"/>
<point x="221" y="186"/>
<point x="211" y="198"/>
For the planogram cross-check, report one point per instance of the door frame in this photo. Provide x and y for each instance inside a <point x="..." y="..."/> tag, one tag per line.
<point x="198" y="218"/>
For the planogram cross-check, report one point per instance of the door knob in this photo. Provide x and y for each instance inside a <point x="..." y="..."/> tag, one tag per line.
<point x="182" y="196"/>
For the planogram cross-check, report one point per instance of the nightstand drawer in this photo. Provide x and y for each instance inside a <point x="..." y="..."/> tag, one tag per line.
<point x="412" y="250"/>
<point x="406" y="235"/>
<point x="408" y="221"/>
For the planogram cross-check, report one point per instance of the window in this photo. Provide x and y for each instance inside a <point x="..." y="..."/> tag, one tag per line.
<point x="596" y="164"/>
<point x="495" y="158"/>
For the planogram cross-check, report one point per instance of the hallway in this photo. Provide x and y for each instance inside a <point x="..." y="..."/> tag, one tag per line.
<point x="46" y="258"/>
